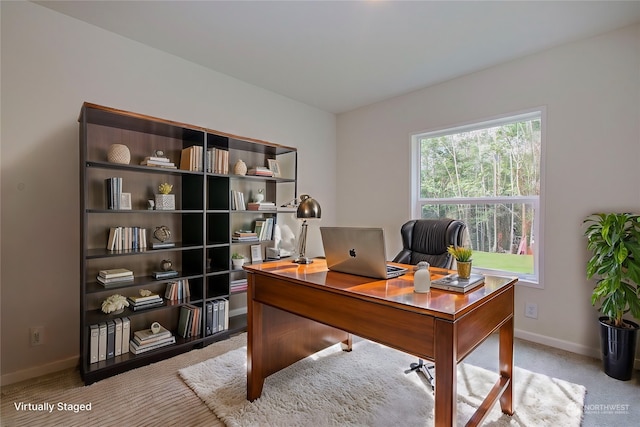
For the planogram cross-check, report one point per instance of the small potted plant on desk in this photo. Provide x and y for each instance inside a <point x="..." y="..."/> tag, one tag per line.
<point x="463" y="260"/>
<point x="237" y="260"/>
<point x="614" y="241"/>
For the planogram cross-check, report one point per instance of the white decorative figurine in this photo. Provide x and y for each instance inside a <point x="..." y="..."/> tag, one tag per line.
<point x="422" y="278"/>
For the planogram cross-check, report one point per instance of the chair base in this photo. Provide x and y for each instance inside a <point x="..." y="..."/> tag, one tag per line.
<point x="429" y="372"/>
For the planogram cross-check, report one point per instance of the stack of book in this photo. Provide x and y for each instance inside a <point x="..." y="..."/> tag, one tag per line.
<point x="114" y="277"/>
<point x="146" y="340"/>
<point x="261" y="206"/>
<point x="137" y="303"/>
<point x="260" y="171"/>
<point x="158" y="162"/>
<point x="244" y="236"/>
<point x="238" y="285"/>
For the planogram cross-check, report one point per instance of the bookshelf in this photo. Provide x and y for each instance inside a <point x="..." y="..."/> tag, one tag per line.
<point x="201" y="225"/>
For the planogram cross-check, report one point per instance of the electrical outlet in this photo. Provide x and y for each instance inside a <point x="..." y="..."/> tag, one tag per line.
<point x="36" y="335"/>
<point x="531" y="310"/>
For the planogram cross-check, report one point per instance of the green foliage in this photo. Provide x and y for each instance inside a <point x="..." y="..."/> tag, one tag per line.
<point x="236" y="255"/>
<point x="614" y="241"/>
<point x="460" y="253"/>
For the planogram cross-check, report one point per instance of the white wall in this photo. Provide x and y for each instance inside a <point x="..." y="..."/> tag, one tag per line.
<point x="50" y="65"/>
<point x="591" y="91"/>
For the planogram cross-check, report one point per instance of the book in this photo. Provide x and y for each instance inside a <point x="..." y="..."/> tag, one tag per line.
<point x="162" y="245"/>
<point x="147" y="306"/>
<point x="453" y="283"/>
<point x="111" y="339"/>
<point x="115" y="272"/>
<point x="209" y="319"/>
<point x="118" y="337"/>
<point x="115" y="280"/>
<point x="184" y="321"/>
<point x="126" y="331"/>
<point x="139" y="299"/>
<point x="94" y="331"/>
<point x="102" y="341"/>
<point x="144" y="304"/>
<point x="159" y="275"/>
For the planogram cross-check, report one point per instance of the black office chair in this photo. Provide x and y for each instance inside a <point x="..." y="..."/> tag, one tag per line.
<point x="428" y="240"/>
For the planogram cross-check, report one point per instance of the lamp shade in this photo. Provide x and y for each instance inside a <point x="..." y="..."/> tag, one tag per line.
<point x="308" y="208"/>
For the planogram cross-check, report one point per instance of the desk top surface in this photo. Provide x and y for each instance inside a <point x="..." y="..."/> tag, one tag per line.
<point x="398" y="290"/>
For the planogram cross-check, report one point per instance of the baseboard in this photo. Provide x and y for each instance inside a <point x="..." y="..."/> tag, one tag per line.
<point x="564" y="345"/>
<point x="38" y="371"/>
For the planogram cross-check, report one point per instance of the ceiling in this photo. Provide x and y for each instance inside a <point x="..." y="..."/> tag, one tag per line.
<point x="341" y="55"/>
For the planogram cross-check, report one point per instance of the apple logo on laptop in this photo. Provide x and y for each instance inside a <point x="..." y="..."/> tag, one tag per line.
<point x="352" y="253"/>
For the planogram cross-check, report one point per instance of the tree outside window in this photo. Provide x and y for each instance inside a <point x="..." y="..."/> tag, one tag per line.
<point x="487" y="175"/>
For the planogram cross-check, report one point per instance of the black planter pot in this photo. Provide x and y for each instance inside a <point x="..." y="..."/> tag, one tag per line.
<point x="618" y="349"/>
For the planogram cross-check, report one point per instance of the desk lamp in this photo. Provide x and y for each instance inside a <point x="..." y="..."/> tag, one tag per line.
<point x="308" y="208"/>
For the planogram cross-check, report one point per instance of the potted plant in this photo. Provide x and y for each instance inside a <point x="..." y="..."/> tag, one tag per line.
<point x="463" y="260"/>
<point x="614" y="241"/>
<point x="237" y="260"/>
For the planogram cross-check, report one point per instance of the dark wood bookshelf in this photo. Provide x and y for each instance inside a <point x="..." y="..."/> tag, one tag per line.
<point x="201" y="225"/>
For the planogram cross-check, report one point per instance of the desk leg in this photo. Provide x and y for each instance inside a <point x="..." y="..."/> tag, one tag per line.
<point x="255" y="349"/>
<point x="446" y="374"/>
<point x="506" y="365"/>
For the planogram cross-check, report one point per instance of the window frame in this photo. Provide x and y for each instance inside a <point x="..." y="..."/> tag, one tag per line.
<point x="533" y="280"/>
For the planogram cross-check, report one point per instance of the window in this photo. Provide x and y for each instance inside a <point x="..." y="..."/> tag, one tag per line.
<point x="487" y="175"/>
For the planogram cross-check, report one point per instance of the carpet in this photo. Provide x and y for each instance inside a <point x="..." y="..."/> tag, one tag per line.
<point x="368" y="387"/>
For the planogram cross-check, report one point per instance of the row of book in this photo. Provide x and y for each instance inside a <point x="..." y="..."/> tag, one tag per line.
<point x="191" y="158"/>
<point x="217" y="161"/>
<point x="147" y="340"/>
<point x="189" y="323"/>
<point x="177" y="290"/>
<point x="217" y="318"/>
<point x="158" y="162"/>
<point x="126" y="238"/>
<point x="109" y="339"/>
<point x="237" y="201"/>
<point x="264" y="228"/>
<point x="113" y="187"/>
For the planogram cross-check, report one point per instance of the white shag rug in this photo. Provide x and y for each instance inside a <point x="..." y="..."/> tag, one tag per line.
<point x="368" y="387"/>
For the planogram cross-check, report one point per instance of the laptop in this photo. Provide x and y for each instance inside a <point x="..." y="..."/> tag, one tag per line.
<point x="360" y="251"/>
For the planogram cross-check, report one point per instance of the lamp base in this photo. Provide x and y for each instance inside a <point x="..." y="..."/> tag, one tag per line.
<point x="303" y="260"/>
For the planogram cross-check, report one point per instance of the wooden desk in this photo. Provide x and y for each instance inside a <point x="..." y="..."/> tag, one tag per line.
<point x="296" y="310"/>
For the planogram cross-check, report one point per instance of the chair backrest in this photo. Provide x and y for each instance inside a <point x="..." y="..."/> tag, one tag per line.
<point x="428" y="240"/>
